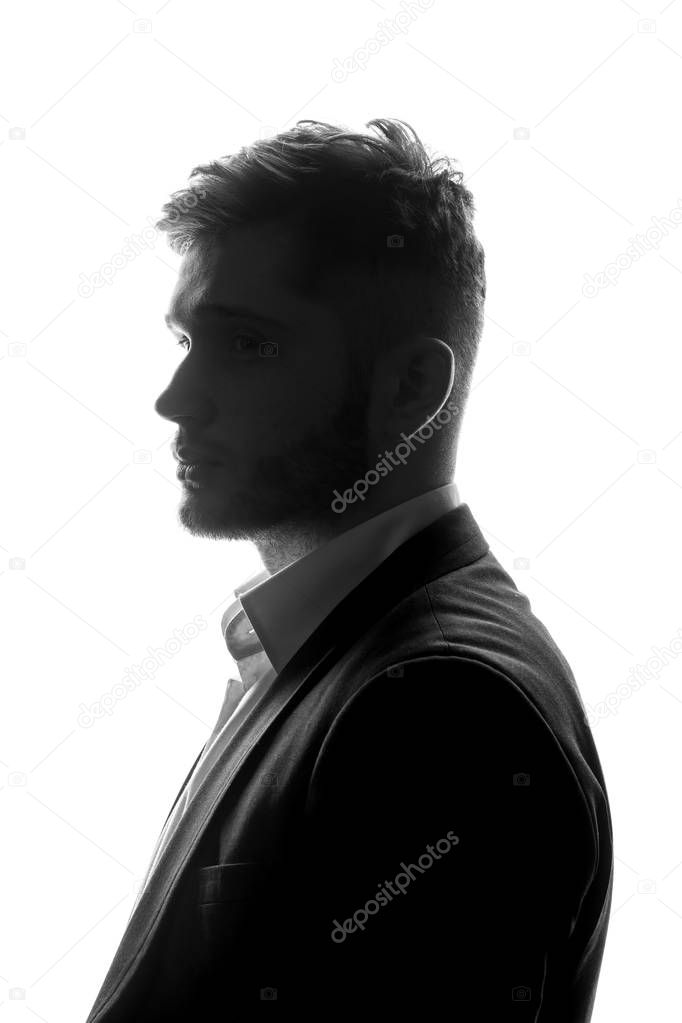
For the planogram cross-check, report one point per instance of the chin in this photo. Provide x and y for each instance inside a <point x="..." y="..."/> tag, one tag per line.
<point x="220" y="520"/>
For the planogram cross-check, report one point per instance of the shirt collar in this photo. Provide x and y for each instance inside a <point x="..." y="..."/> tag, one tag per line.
<point x="285" y="608"/>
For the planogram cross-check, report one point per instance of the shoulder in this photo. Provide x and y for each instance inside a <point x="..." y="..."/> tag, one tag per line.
<point x="447" y="689"/>
<point x="454" y="717"/>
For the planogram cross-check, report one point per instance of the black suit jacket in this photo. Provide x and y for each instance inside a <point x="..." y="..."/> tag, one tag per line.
<point x="413" y="818"/>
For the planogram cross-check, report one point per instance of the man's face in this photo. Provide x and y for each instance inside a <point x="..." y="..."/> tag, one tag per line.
<point x="276" y="404"/>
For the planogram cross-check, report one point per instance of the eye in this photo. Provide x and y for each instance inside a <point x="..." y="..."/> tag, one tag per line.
<point x="247" y="345"/>
<point x="242" y="344"/>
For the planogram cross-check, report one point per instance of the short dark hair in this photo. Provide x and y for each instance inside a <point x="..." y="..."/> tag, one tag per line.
<point x="376" y="208"/>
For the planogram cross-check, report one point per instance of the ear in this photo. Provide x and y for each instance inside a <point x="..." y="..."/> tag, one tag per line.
<point x="412" y="383"/>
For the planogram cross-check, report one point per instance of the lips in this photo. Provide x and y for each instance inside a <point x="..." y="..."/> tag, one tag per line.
<point x="195" y="473"/>
<point x="193" y="456"/>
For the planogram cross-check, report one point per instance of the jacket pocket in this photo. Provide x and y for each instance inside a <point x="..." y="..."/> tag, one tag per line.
<point x="228" y="882"/>
<point x="227" y="906"/>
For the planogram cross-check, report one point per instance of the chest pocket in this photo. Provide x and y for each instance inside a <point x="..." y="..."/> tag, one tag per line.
<point x="228" y="882"/>
<point x="227" y="900"/>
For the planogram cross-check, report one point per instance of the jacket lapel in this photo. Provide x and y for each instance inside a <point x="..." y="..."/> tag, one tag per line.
<point x="450" y="542"/>
<point x="147" y="916"/>
<point x="182" y="787"/>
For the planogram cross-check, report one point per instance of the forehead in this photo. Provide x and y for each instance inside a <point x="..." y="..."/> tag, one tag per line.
<point x="253" y="265"/>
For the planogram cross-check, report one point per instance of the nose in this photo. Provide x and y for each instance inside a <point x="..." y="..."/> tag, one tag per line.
<point x="162" y="406"/>
<point x="182" y="399"/>
<point x="166" y="406"/>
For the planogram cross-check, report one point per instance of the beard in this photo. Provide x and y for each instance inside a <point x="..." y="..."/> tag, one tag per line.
<point x="290" y="492"/>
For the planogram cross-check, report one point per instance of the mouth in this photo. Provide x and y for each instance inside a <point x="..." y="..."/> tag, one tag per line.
<point x="195" y="474"/>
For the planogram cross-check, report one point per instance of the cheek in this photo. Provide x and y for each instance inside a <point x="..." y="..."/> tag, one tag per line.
<point x="325" y="387"/>
<point x="264" y="420"/>
<point x="263" y="410"/>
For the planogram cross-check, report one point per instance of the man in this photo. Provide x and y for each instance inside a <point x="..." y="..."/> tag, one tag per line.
<point x="400" y="808"/>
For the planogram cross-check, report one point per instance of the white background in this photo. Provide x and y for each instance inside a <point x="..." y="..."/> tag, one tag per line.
<point x="565" y="120"/>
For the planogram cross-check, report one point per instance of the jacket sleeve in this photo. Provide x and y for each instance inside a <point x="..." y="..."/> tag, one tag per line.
<point x="446" y="848"/>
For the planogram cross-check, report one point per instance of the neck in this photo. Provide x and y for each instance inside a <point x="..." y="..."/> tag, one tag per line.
<point x="285" y="543"/>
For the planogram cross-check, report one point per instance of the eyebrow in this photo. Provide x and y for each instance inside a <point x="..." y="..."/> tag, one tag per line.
<point x="228" y="312"/>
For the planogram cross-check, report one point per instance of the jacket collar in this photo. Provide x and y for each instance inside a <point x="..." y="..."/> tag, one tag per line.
<point x="284" y="609"/>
